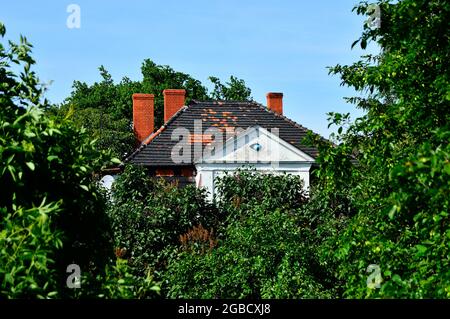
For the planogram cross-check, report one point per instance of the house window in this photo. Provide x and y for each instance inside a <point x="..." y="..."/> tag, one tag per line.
<point x="256" y="146"/>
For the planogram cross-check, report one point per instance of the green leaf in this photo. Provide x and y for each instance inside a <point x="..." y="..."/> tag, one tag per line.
<point x="421" y="249"/>
<point x="363" y="43"/>
<point x="115" y="160"/>
<point x="30" y="165"/>
<point x="2" y="29"/>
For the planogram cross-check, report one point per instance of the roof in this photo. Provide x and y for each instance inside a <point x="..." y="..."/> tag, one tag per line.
<point x="156" y="149"/>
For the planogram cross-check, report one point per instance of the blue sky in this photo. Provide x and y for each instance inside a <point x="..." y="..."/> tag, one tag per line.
<point x="275" y="46"/>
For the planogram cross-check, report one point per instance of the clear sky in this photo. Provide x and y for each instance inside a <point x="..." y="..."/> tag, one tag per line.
<point x="274" y="45"/>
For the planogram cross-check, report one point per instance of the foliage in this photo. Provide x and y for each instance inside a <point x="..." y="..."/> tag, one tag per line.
<point x="380" y="194"/>
<point x="105" y="108"/>
<point x="247" y="187"/>
<point x="52" y="213"/>
<point x="27" y="243"/>
<point x="120" y="282"/>
<point x="24" y="90"/>
<point x="198" y="239"/>
<point x="45" y="160"/>
<point x="235" y="90"/>
<point x="112" y="134"/>
<point x="148" y="215"/>
<point x="396" y="207"/>
<point x="157" y="78"/>
<point x="264" y="251"/>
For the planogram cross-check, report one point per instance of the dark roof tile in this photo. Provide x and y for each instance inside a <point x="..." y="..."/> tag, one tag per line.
<point x="222" y="114"/>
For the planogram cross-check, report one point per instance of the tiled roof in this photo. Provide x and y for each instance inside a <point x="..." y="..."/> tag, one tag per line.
<point x="156" y="150"/>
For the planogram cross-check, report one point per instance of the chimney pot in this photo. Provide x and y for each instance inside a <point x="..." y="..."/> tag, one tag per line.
<point x="173" y="101"/>
<point x="143" y="116"/>
<point x="275" y="102"/>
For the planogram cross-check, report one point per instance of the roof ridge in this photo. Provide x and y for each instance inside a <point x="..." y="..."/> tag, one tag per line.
<point x="288" y="120"/>
<point x="221" y="102"/>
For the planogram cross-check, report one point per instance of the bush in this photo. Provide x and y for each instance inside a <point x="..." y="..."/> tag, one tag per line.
<point x="52" y="212"/>
<point x="120" y="282"/>
<point x="397" y="206"/>
<point x="264" y="252"/>
<point x="27" y="256"/>
<point x="148" y="215"/>
<point x="247" y="187"/>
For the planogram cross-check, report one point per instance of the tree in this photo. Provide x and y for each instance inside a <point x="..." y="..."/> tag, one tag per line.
<point x="148" y="215"/>
<point x="52" y="212"/>
<point x="400" y="174"/>
<point x="235" y="90"/>
<point x="105" y="108"/>
<point x="264" y="246"/>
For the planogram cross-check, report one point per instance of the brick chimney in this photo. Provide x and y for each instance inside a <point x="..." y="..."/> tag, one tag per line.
<point x="173" y="101"/>
<point x="143" y="116"/>
<point x="275" y="102"/>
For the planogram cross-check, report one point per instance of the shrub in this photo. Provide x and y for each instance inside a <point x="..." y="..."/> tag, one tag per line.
<point x="263" y="252"/>
<point x="148" y="215"/>
<point x="120" y="282"/>
<point x="27" y="254"/>
<point x="398" y="199"/>
<point x="51" y="212"/>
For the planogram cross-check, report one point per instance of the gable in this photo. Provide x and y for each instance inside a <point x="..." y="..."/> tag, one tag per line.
<point x="254" y="145"/>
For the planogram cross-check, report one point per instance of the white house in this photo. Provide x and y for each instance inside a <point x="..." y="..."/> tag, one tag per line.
<point x="203" y="140"/>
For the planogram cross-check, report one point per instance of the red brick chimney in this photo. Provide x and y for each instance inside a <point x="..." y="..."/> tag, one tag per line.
<point x="143" y="116"/>
<point x="275" y="102"/>
<point x="173" y="101"/>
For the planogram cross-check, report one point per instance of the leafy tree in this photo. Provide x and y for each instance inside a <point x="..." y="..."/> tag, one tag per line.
<point x="157" y="78"/>
<point x="264" y="250"/>
<point x="148" y="215"/>
<point x="52" y="212"/>
<point x="235" y="90"/>
<point x="105" y="108"/>
<point x="398" y="199"/>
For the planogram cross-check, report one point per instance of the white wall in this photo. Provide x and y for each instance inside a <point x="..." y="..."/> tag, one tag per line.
<point x="206" y="173"/>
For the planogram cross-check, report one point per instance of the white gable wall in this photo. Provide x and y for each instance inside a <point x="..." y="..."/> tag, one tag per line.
<point x="275" y="156"/>
<point x="206" y="174"/>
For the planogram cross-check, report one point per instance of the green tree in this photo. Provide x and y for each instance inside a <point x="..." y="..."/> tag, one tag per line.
<point x="398" y="200"/>
<point x="105" y="108"/>
<point x="52" y="212"/>
<point x="148" y="215"/>
<point x="264" y="247"/>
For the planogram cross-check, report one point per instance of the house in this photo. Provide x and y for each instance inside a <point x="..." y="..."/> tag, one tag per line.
<point x="204" y="140"/>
